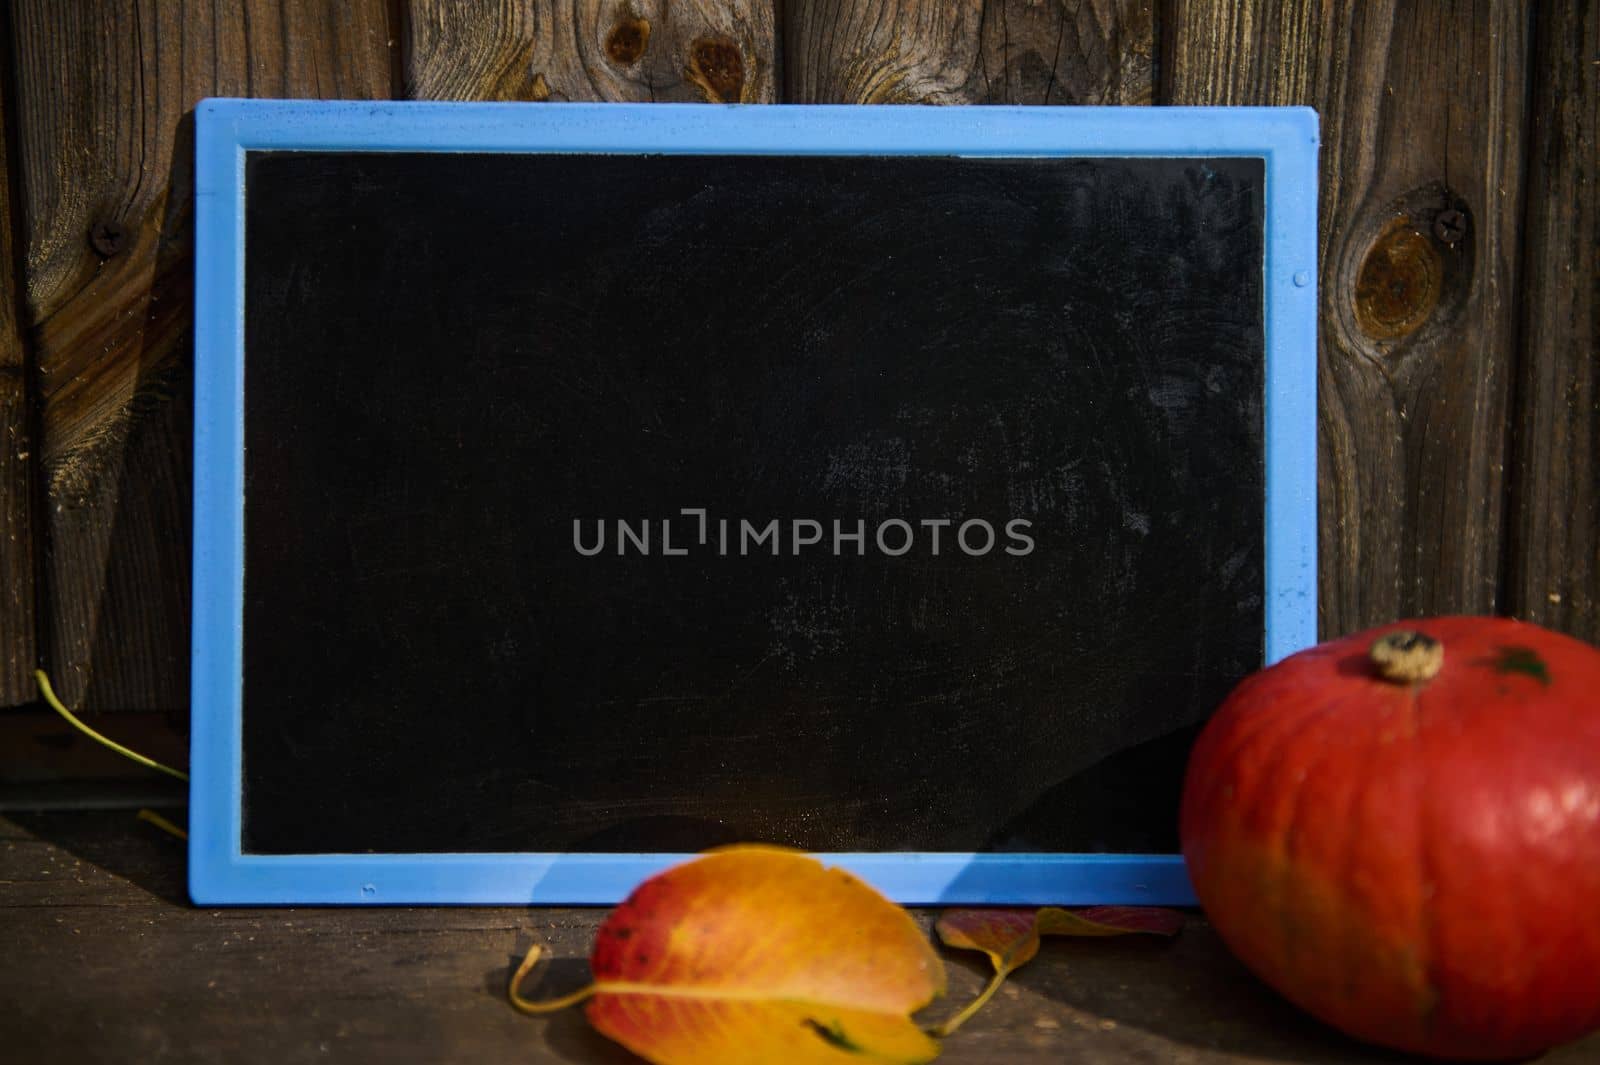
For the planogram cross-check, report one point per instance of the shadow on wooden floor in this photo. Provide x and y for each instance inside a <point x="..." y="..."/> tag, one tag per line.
<point x="120" y="844"/>
<point x="1189" y="991"/>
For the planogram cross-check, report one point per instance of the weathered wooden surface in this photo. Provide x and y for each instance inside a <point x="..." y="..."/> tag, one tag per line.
<point x="1433" y="341"/>
<point x="106" y="962"/>
<point x="969" y="51"/>
<point x="1554" y="561"/>
<point x="469" y="51"/>
<point x="1423" y="117"/>
<point x="722" y="51"/>
<point x="103" y="166"/>
<point x="17" y="543"/>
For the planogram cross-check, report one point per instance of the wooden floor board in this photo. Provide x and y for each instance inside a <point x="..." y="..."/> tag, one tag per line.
<point x="107" y="962"/>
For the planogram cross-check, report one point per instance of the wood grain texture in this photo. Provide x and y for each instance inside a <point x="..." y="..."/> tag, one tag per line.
<point x="722" y="51"/>
<point x="480" y="50"/>
<point x="106" y="961"/>
<point x="103" y="97"/>
<point x="18" y="640"/>
<point x="1553" y="576"/>
<point x="1423" y="113"/>
<point x="969" y="51"/>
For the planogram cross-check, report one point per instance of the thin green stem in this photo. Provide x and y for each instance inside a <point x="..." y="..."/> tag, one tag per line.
<point x="55" y="704"/>
<point x="549" y="1005"/>
<point x="939" y="1031"/>
<point x="153" y="818"/>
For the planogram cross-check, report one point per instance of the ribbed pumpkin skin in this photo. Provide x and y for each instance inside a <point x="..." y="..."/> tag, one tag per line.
<point x="1416" y="865"/>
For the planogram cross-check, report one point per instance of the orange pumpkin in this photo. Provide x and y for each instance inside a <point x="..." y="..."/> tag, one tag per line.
<point x="1400" y="831"/>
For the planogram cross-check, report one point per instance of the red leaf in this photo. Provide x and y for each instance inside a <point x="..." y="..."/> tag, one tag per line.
<point x="1011" y="937"/>
<point x="1110" y="921"/>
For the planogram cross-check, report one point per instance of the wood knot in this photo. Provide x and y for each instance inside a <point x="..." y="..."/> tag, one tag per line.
<point x="717" y="67"/>
<point x="1399" y="282"/>
<point x="628" y="39"/>
<point x="107" y="237"/>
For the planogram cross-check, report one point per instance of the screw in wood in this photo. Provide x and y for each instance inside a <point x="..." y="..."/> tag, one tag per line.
<point x="107" y="238"/>
<point x="1450" y="225"/>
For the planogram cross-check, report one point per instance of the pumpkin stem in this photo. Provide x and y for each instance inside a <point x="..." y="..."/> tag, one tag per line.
<point x="1407" y="657"/>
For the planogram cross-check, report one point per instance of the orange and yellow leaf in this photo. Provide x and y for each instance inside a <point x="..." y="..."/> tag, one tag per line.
<point x="756" y="954"/>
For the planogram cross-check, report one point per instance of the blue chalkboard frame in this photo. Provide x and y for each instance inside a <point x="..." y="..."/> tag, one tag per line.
<point x="220" y="873"/>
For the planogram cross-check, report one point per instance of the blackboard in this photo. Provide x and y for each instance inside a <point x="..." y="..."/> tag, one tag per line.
<point x="636" y="502"/>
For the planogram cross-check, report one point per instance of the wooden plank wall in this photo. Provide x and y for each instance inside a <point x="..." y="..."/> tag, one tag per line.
<point x="1460" y="379"/>
<point x="1423" y="121"/>
<point x="1553" y="565"/>
<point x="18" y="609"/>
<point x="102" y="96"/>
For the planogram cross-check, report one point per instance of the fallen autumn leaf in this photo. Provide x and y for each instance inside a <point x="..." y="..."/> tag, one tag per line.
<point x="758" y="954"/>
<point x="1011" y="937"/>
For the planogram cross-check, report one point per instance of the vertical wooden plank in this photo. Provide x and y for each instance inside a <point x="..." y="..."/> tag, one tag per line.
<point x="1554" y="564"/>
<point x="103" y="95"/>
<point x="722" y="51"/>
<point x="17" y="632"/>
<point x="1423" y="113"/>
<point x="469" y="51"/>
<point x="969" y="51"/>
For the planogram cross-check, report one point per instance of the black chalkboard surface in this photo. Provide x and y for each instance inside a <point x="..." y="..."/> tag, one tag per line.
<point x="647" y="503"/>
